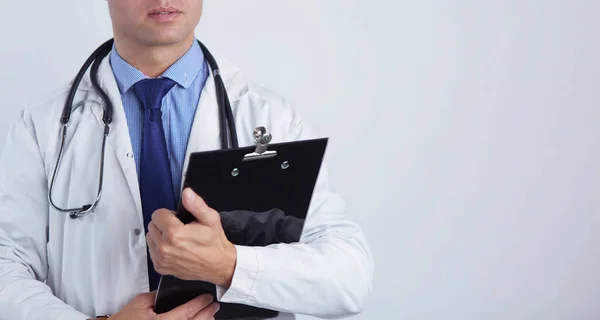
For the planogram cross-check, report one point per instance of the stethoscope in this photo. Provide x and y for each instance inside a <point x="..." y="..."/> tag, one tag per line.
<point x="226" y="121"/>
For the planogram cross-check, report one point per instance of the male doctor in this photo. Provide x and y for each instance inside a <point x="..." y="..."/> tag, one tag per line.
<point x="107" y="263"/>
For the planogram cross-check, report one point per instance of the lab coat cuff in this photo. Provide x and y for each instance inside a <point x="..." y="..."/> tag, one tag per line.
<point x="245" y="275"/>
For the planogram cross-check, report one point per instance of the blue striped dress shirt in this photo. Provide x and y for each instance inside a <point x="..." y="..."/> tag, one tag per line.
<point x="178" y="107"/>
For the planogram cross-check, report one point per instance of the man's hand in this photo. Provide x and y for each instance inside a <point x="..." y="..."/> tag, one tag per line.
<point x="195" y="251"/>
<point x="141" y="307"/>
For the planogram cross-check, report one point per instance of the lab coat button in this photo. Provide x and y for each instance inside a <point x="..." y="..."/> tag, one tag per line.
<point x="137" y="232"/>
<point x="129" y="155"/>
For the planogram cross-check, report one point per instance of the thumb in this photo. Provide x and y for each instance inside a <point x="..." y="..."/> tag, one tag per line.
<point x="199" y="209"/>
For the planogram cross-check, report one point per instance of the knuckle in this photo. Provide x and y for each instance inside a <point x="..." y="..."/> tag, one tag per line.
<point x="172" y="236"/>
<point x="162" y="250"/>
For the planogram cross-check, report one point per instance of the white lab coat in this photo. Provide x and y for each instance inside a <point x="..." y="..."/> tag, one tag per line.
<point x="53" y="267"/>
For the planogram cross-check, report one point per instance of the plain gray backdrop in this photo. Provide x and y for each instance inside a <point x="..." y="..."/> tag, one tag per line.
<point x="464" y="134"/>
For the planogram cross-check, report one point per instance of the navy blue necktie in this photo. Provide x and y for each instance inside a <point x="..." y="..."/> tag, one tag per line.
<point x="156" y="185"/>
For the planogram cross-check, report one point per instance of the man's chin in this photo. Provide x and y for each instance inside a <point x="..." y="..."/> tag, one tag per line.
<point x="162" y="39"/>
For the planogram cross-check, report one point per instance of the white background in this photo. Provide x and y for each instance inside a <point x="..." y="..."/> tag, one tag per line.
<point x="465" y="134"/>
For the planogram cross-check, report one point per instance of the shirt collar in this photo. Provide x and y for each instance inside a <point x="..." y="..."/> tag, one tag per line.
<point x="183" y="71"/>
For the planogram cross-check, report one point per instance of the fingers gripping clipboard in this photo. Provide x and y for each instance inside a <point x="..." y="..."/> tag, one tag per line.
<point x="263" y="195"/>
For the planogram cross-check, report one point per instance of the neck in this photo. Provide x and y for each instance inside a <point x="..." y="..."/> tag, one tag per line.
<point x="152" y="60"/>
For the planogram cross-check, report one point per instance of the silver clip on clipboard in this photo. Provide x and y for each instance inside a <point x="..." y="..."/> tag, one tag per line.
<point x="261" y="139"/>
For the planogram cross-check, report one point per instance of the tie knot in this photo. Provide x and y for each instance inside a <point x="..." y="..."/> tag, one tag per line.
<point x="152" y="91"/>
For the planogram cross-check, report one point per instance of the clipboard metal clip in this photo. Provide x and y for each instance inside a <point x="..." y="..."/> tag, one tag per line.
<point x="261" y="140"/>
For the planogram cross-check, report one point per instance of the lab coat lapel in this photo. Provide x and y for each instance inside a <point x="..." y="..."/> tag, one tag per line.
<point x="118" y="137"/>
<point x="205" y="133"/>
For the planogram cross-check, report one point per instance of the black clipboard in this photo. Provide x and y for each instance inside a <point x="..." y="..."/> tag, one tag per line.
<point x="268" y="186"/>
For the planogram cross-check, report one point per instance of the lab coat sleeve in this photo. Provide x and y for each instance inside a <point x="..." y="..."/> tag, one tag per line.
<point x="23" y="231"/>
<point x="328" y="274"/>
